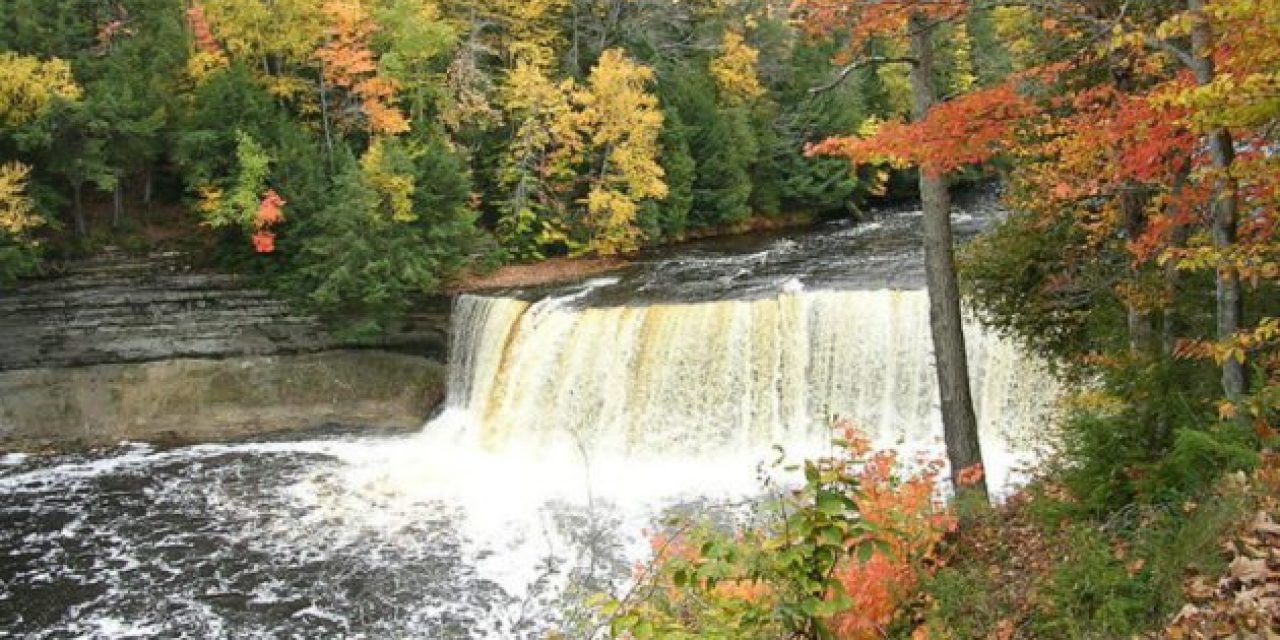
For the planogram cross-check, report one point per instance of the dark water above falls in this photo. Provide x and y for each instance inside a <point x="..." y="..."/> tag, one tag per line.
<point x="577" y="416"/>
<point x="884" y="252"/>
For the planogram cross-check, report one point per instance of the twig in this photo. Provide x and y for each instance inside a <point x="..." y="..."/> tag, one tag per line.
<point x="858" y="64"/>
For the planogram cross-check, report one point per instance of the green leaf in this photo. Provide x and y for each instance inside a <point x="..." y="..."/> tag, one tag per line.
<point x="865" y="551"/>
<point x="830" y="535"/>
<point x="643" y="629"/>
<point x="831" y="503"/>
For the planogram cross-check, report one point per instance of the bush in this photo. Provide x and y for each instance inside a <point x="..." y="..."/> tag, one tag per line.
<point x="1067" y="578"/>
<point x="835" y="558"/>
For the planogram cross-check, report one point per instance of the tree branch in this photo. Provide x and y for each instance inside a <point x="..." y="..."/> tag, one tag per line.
<point x="858" y="64"/>
<point x="1101" y="25"/>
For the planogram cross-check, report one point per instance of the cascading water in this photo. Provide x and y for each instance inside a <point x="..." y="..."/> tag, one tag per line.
<point x="574" y="419"/>
<point x="706" y="378"/>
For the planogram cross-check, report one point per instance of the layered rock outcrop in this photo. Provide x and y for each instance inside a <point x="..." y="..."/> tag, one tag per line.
<point x="122" y="347"/>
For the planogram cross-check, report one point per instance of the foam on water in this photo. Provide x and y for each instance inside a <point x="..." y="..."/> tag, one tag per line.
<point x="570" y="428"/>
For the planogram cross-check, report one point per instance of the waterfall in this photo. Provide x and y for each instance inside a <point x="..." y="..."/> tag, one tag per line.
<point x="725" y="376"/>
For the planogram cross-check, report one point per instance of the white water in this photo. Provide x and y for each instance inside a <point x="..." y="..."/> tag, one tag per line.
<point x="625" y="411"/>
<point x="727" y="378"/>
<point x="567" y="431"/>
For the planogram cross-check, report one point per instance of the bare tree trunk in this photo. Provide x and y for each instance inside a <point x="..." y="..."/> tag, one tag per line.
<point x="1142" y="332"/>
<point x="960" y="426"/>
<point x="324" y="119"/>
<point x="1169" y="326"/>
<point x="574" y="49"/>
<point x="77" y="209"/>
<point x="117" y="203"/>
<point x="1230" y="301"/>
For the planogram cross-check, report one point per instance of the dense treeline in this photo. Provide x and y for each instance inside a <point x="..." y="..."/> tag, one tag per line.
<point x="360" y="151"/>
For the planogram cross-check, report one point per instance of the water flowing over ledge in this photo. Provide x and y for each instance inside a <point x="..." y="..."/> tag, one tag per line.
<point x="576" y="418"/>
<point x="708" y="378"/>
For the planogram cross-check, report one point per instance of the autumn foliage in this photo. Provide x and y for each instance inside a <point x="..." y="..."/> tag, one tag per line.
<point x="270" y="213"/>
<point x="201" y="32"/>
<point x="861" y="20"/>
<point x="952" y="136"/>
<point x="839" y="556"/>
<point x="348" y="63"/>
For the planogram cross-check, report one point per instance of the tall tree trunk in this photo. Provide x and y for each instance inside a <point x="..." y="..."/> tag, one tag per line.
<point x="960" y="427"/>
<point x="1142" y="332"/>
<point x="324" y="119"/>
<point x="147" y="186"/>
<point x="117" y="203"/>
<point x="1170" y="322"/>
<point x="77" y="209"/>
<point x="1230" y="301"/>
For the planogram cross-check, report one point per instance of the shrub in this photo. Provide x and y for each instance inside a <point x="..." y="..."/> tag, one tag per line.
<point x="834" y="558"/>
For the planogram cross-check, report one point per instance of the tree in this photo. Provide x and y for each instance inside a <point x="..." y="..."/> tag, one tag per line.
<point x="621" y="121"/>
<point x="28" y="86"/>
<point x="29" y="89"/>
<point x="541" y="161"/>
<point x="348" y="63"/>
<point x="363" y="263"/>
<point x="1229" y="297"/>
<point x="723" y="147"/>
<point x="735" y="69"/>
<point x="669" y="217"/>
<point x="141" y="55"/>
<point x="917" y="21"/>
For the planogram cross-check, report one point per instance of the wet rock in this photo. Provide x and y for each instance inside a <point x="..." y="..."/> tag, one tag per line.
<point x="118" y="308"/>
<point x="196" y="400"/>
<point x="144" y="348"/>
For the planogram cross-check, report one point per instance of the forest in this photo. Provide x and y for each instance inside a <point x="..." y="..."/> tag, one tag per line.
<point x="357" y="155"/>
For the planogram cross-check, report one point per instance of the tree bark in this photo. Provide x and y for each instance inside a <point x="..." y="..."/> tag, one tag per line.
<point x="117" y="203"/>
<point x="1230" y="301"/>
<point x="77" y="209"/>
<point x="1142" y="331"/>
<point x="324" y="119"/>
<point x="960" y="426"/>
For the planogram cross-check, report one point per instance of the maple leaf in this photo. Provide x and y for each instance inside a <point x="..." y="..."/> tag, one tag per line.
<point x="270" y="209"/>
<point x="264" y="241"/>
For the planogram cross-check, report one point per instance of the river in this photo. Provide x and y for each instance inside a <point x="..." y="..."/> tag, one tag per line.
<point x="577" y="416"/>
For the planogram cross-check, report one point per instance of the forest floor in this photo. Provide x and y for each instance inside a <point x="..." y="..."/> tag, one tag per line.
<point x="1015" y="554"/>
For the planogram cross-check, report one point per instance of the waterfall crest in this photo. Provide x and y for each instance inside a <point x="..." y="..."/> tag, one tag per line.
<point x="728" y="375"/>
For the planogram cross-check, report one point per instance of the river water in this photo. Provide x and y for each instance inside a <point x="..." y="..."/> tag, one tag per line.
<point x="577" y="417"/>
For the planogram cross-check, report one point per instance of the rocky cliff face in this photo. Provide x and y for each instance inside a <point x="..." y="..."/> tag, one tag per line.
<point x="123" y="347"/>
<point x="116" y="309"/>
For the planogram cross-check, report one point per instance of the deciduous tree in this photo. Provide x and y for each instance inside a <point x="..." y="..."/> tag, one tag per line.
<point x="916" y="21"/>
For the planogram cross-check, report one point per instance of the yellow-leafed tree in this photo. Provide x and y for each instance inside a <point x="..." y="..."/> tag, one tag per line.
<point x="541" y="161"/>
<point x="735" y="69"/>
<point x="387" y="169"/>
<point x="256" y="30"/>
<point x="28" y="85"/>
<point x="621" y="120"/>
<point x="17" y="212"/>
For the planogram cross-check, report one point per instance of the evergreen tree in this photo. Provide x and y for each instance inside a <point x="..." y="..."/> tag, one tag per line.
<point x="722" y="145"/>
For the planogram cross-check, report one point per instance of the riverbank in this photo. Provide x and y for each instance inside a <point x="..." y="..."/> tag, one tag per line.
<point x="1034" y="568"/>
<point x="561" y="270"/>
<point x="550" y="271"/>
<point x="149" y="348"/>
